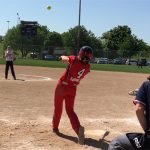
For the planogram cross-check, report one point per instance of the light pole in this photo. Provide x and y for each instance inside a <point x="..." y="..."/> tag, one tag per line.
<point x="8" y="24"/>
<point x="78" y="36"/>
<point x="18" y="19"/>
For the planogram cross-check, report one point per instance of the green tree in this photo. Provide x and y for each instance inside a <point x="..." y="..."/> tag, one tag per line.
<point x="112" y="39"/>
<point x="70" y="39"/>
<point x="128" y="47"/>
<point x="52" y="40"/>
<point x="25" y="44"/>
<point x="143" y="49"/>
<point x="119" y="42"/>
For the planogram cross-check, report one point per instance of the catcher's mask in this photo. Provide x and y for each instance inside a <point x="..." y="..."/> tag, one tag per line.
<point x="85" y="54"/>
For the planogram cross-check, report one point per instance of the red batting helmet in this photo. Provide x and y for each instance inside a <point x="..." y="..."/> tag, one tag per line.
<point x="85" y="54"/>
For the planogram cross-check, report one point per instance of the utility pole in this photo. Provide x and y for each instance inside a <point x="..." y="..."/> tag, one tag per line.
<point x="8" y="24"/>
<point x="78" y="36"/>
<point x="18" y="18"/>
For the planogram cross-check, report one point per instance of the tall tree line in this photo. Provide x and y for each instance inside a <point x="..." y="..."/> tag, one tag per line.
<point x="117" y="42"/>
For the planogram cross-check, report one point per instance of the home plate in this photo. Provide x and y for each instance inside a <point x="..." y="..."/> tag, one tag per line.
<point x="100" y="133"/>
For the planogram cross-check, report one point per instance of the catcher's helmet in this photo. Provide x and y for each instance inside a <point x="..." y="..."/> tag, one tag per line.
<point x="85" y="54"/>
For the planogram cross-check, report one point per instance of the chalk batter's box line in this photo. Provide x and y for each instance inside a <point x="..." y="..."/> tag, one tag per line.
<point x="43" y="78"/>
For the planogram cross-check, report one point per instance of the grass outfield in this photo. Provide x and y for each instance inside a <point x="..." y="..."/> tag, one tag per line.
<point x="100" y="67"/>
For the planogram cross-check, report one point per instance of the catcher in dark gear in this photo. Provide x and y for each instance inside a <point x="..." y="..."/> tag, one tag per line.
<point x="137" y="141"/>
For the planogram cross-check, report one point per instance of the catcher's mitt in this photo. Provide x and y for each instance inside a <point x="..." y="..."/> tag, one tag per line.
<point x="133" y="93"/>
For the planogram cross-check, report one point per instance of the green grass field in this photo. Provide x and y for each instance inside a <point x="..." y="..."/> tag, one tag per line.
<point x="100" y="67"/>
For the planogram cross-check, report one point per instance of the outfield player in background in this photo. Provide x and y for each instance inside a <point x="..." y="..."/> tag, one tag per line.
<point x="10" y="57"/>
<point x="78" y="67"/>
<point x="137" y="141"/>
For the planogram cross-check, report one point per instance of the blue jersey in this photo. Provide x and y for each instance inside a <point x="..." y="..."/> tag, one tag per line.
<point x="143" y="97"/>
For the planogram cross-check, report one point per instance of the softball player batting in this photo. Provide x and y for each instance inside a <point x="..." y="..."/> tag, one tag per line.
<point x="78" y="67"/>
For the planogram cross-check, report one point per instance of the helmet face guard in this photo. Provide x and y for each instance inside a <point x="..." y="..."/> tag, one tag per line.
<point x="85" y="54"/>
<point x="85" y="60"/>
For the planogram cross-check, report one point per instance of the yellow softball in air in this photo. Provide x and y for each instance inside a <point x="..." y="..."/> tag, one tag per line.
<point x="49" y="7"/>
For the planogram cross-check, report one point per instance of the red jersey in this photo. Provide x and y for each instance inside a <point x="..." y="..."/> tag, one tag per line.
<point x="75" y="71"/>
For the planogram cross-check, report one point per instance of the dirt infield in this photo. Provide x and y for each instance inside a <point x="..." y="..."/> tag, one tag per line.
<point x="102" y="103"/>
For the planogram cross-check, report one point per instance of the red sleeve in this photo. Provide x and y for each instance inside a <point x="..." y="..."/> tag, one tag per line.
<point x="71" y="59"/>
